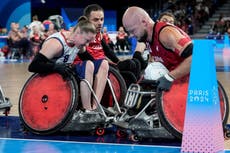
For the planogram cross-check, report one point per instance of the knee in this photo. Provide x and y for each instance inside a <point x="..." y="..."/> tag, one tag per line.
<point x="105" y="66"/>
<point x="89" y="67"/>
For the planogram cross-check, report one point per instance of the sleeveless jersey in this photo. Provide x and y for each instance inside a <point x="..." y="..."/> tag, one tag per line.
<point x="170" y="59"/>
<point x="69" y="52"/>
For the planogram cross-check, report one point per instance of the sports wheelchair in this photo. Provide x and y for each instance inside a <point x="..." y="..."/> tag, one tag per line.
<point x="148" y="113"/>
<point x="48" y="104"/>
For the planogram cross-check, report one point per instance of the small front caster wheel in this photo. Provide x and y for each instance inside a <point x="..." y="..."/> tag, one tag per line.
<point x="100" y="131"/>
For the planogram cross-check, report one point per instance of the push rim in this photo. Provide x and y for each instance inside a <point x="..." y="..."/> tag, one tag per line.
<point x="47" y="103"/>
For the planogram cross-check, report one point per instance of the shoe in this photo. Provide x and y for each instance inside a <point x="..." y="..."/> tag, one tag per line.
<point x="91" y="112"/>
<point x="88" y="116"/>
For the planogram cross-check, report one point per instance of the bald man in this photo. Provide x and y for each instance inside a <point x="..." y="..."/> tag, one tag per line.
<point x="168" y="44"/>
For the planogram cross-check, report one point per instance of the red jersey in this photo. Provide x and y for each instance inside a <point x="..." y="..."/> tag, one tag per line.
<point x="95" y="49"/>
<point x="121" y="35"/>
<point x="169" y="58"/>
<point x="106" y="37"/>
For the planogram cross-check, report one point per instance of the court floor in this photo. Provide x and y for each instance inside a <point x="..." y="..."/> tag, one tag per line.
<point x="13" y="75"/>
<point x="44" y="146"/>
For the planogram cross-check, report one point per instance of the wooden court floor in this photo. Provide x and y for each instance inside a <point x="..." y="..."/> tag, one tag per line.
<point x="13" y="76"/>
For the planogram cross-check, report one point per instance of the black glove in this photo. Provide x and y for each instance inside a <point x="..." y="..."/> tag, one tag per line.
<point x="137" y="55"/>
<point x="165" y="82"/>
<point x="65" y="70"/>
<point x="126" y="65"/>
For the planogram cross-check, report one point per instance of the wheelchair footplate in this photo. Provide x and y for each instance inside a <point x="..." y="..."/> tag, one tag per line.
<point x="138" y="129"/>
<point x="142" y="129"/>
<point x="82" y="121"/>
<point x="140" y="123"/>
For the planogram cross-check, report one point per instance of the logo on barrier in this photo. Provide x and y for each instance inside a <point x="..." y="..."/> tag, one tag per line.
<point x="203" y="131"/>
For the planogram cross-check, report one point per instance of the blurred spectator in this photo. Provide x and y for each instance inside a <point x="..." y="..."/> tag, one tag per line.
<point x="37" y="23"/>
<point x="107" y="39"/>
<point x="122" y="40"/>
<point x="219" y="26"/>
<point x="51" y="29"/>
<point x="36" y="39"/>
<point x="25" y="37"/>
<point x="17" y="41"/>
<point x="191" y="15"/>
<point x="4" y="50"/>
<point x="46" y="24"/>
<point x="227" y="26"/>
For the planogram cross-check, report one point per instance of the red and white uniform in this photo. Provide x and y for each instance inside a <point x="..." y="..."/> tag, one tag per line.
<point x="95" y="49"/>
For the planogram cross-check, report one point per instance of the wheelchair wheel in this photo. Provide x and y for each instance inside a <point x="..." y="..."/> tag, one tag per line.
<point x="47" y="103"/>
<point x="119" y="87"/>
<point x="172" y="105"/>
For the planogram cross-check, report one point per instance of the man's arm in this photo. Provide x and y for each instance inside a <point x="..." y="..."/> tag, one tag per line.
<point x="140" y="48"/>
<point x="42" y="62"/>
<point x="109" y="52"/>
<point x="180" y="43"/>
<point x="182" y="69"/>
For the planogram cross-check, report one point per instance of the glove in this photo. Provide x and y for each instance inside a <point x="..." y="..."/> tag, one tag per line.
<point x="126" y="65"/>
<point x="165" y="83"/>
<point x="137" y="55"/>
<point x="65" y="70"/>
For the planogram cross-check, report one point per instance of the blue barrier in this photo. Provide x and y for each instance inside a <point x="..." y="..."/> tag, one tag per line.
<point x="203" y="131"/>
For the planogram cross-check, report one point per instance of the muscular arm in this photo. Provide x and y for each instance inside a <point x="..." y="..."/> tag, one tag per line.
<point x="109" y="52"/>
<point x="178" y="41"/>
<point x="42" y="61"/>
<point x="182" y="69"/>
<point x="52" y="48"/>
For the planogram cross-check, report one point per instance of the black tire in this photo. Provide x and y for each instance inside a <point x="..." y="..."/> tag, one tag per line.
<point x="225" y="99"/>
<point x="178" y="134"/>
<point x="129" y="77"/>
<point x="65" y="116"/>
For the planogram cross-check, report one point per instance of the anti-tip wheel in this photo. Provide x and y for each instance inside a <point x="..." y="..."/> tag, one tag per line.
<point x="134" y="138"/>
<point x="100" y="131"/>
<point x="121" y="134"/>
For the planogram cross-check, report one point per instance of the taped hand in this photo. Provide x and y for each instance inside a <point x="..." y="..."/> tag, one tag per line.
<point x="165" y="83"/>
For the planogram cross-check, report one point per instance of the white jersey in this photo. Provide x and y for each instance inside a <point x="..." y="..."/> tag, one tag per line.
<point x="69" y="52"/>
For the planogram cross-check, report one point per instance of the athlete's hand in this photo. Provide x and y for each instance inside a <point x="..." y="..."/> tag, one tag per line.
<point x="65" y="70"/>
<point x="165" y="83"/>
<point x="126" y="65"/>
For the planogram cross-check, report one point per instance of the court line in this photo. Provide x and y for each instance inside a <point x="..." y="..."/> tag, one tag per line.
<point x="99" y="143"/>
